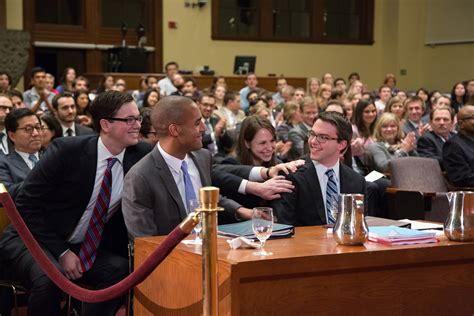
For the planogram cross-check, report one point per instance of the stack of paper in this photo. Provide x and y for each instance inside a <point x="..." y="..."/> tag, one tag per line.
<point x="393" y="235"/>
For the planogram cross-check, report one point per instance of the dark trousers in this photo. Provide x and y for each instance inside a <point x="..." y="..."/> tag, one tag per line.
<point x="45" y="297"/>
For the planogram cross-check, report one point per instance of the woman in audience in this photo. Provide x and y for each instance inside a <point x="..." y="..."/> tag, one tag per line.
<point x="402" y="95"/>
<point x="390" y="143"/>
<point x="459" y="96"/>
<point x="150" y="98"/>
<point x="324" y="95"/>
<point x="365" y="116"/>
<point x="349" y="109"/>
<point x="106" y="83"/>
<point x="292" y="116"/>
<point x="218" y="81"/>
<point x="313" y="88"/>
<point x="328" y="79"/>
<point x="81" y="98"/>
<point x="423" y="94"/>
<point x="395" y="106"/>
<point x="261" y="110"/>
<point x="51" y="130"/>
<point x="67" y="80"/>
<point x="356" y="87"/>
<point x="353" y="76"/>
<point x="219" y="93"/>
<point x="256" y="146"/>
<point x="391" y="81"/>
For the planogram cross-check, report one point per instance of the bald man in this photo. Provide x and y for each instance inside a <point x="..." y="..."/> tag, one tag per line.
<point x="458" y="151"/>
<point x="158" y="189"/>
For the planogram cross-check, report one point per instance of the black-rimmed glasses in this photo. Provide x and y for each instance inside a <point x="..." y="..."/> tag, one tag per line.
<point x="129" y="120"/>
<point x="29" y="129"/>
<point x="321" y="138"/>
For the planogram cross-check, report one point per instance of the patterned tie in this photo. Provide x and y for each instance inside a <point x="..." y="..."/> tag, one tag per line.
<point x="331" y="195"/>
<point x="91" y="242"/>
<point x="33" y="159"/>
<point x="69" y="132"/>
<point x="188" y="185"/>
<point x="2" y="135"/>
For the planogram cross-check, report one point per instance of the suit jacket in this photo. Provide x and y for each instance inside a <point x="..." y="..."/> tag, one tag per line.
<point x="224" y="142"/>
<point x="56" y="192"/>
<point x="299" y="137"/>
<point x="11" y="148"/>
<point x="430" y="145"/>
<point x="151" y="201"/>
<point x="83" y="130"/>
<point x="458" y="159"/>
<point x="305" y="205"/>
<point x="13" y="171"/>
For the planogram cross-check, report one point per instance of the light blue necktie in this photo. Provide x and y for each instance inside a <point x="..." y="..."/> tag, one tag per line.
<point x="33" y="160"/>
<point x="188" y="185"/>
<point x="331" y="195"/>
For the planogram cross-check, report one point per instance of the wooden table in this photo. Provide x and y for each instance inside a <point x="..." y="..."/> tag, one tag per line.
<point x="310" y="274"/>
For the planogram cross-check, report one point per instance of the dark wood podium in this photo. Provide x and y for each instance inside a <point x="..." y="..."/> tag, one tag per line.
<point x="310" y="274"/>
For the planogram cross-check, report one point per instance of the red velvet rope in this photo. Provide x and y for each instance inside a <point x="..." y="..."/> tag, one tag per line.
<point x="85" y="295"/>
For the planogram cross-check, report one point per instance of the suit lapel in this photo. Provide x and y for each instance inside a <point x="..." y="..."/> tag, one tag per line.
<point x="314" y="187"/>
<point x="205" y="180"/>
<point x="167" y="178"/>
<point x="89" y="167"/>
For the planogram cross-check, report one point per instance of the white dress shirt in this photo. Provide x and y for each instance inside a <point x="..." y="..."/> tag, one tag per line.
<point x="26" y="158"/>
<point x="323" y="179"/>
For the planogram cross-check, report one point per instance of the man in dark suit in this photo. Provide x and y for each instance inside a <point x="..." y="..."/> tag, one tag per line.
<point x="430" y="145"/>
<point x="458" y="151"/>
<point x="65" y="110"/>
<point x="6" y="106"/>
<point x="415" y="107"/>
<point x="157" y="190"/>
<point x="323" y="177"/>
<point x="24" y="130"/>
<point x="60" y="199"/>
<point x="214" y="137"/>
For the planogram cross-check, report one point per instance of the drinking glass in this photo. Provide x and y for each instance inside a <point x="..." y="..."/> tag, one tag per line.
<point x="262" y="226"/>
<point x="193" y="205"/>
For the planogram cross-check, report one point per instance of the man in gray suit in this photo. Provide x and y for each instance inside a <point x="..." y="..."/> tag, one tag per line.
<point x="157" y="189"/>
<point x="65" y="110"/>
<point x="24" y="130"/>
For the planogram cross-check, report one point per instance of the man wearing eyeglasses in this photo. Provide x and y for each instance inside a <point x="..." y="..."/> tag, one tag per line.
<point x="65" y="110"/>
<point x="458" y="151"/>
<point x="323" y="177"/>
<point x="71" y="203"/>
<point x="6" y="106"/>
<point x="24" y="130"/>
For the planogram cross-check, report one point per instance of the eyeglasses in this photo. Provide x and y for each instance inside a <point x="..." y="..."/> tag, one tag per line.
<point x="321" y="138"/>
<point x="208" y="105"/>
<point x="129" y="120"/>
<point x="29" y="129"/>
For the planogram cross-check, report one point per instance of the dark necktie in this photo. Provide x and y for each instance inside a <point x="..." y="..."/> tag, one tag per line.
<point x="2" y="147"/>
<point x="93" y="236"/>
<point x="69" y="132"/>
<point x="331" y="195"/>
<point x="188" y="185"/>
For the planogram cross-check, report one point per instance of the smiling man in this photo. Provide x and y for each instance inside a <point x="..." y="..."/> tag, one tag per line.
<point x="24" y="130"/>
<point x="77" y="183"/>
<point x="323" y="177"/>
<point x="157" y="190"/>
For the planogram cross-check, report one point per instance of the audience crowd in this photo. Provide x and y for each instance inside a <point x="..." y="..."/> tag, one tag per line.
<point x="290" y="149"/>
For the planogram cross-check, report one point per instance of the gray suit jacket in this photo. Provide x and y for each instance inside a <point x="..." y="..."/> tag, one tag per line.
<point x="83" y="130"/>
<point x="151" y="202"/>
<point x="13" y="171"/>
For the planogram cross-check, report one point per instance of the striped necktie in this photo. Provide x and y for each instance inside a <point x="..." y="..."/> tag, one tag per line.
<point x="33" y="159"/>
<point x="331" y="195"/>
<point x="91" y="242"/>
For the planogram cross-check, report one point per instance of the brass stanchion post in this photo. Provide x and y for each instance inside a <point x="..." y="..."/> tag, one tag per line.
<point x="209" y="196"/>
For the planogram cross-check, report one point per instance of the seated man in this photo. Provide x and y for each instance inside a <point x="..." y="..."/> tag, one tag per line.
<point x="66" y="112"/>
<point x="158" y="189"/>
<point x="24" y="130"/>
<point x="38" y="98"/>
<point x="323" y="177"/>
<point x="77" y="183"/>
<point x="458" y="151"/>
<point x="298" y="135"/>
<point x="430" y="145"/>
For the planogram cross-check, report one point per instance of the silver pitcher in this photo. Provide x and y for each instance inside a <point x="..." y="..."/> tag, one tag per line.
<point x="459" y="225"/>
<point x="350" y="228"/>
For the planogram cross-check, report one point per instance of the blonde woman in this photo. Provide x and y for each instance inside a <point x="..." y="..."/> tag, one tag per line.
<point x="324" y="94"/>
<point x="313" y="87"/>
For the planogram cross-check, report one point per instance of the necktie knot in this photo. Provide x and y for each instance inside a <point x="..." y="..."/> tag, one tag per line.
<point x="184" y="167"/>
<point x="330" y="173"/>
<point x="69" y="132"/>
<point x="110" y="162"/>
<point x="33" y="159"/>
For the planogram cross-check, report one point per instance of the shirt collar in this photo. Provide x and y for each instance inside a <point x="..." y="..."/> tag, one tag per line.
<point x="26" y="155"/>
<point x="73" y="128"/>
<point x="103" y="153"/>
<point x="320" y="168"/>
<point x="172" y="162"/>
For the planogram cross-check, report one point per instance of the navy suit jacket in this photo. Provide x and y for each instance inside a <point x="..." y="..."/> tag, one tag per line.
<point x="430" y="145"/>
<point x="305" y="205"/>
<point x="13" y="171"/>
<point x="56" y="192"/>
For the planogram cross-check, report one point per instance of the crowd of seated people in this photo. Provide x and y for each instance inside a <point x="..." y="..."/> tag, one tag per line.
<point x="282" y="148"/>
